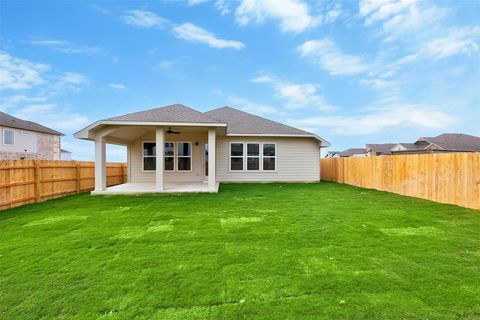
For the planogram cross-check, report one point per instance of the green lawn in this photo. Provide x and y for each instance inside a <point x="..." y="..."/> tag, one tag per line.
<point x="252" y="251"/>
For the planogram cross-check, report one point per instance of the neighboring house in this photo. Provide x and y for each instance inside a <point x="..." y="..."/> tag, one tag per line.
<point x="333" y="154"/>
<point x="447" y="142"/>
<point x="353" y="152"/>
<point x="382" y="149"/>
<point x="65" y="155"/>
<point x="222" y="145"/>
<point x="22" y="139"/>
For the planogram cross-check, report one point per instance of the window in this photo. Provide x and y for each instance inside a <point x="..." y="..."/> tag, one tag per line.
<point x="8" y="137"/>
<point x="169" y="156"/>
<point x="253" y="156"/>
<point x="149" y="156"/>
<point x="184" y="156"/>
<point x="269" y="157"/>
<point x="236" y="156"/>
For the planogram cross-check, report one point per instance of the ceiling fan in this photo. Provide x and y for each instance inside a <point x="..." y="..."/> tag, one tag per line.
<point x="170" y="131"/>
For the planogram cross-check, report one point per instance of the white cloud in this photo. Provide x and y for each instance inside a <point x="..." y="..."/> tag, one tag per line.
<point x="294" y="15"/>
<point x="67" y="47"/>
<point x="397" y="18"/>
<point x="222" y="6"/>
<point x="73" y="78"/>
<point x="390" y="115"/>
<point x="17" y="74"/>
<point x="195" y="2"/>
<point x="252" y="107"/>
<point x="456" y="41"/>
<point x="10" y="102"/>
<point x="66" y="82"/>
<point x="52" y="116"/>
<point x="297" y="96"/>
<point x="193" y="33"/>
<point x="117" y="86"/>
<point x="146" y="19"/>
<point x="326" y="54"/>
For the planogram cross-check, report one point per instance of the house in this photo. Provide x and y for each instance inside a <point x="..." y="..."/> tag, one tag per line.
<point x="198" y="150"/>
<point x="447" y="142"/>
<point x="65" y="155"/>
<point x="382" y="149"/>
<point x="352" y="152"/>
<point x="333" y="154"/>
<point x="27" y="140"/>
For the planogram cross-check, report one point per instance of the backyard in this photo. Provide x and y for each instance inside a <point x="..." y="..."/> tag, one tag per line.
<point x="252" y="251"/>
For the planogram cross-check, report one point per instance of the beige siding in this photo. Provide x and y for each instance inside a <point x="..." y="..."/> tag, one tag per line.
<point x="298" y="159"/>
<point x="136" y="159"/>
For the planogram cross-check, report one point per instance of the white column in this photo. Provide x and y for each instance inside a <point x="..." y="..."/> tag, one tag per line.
<point x="160" y="147"/>
<point x="211" y="159"/>
<point x="100" y="165"/>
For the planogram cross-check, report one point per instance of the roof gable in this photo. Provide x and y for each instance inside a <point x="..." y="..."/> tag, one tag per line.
<point x="172" y="113"/>
<point x="454" y="141"/>
<point x="7" y="120"/>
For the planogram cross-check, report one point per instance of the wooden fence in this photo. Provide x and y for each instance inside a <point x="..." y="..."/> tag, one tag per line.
<point x="27" y="181"/>
<point x="448" y="178"/>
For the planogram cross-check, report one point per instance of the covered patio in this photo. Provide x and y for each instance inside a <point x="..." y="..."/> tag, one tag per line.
<point x="176" y="154"/>
<point x="170" y="187"/>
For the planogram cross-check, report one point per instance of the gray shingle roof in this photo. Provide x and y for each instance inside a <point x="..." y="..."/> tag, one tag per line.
<point x="7" y="120"/>
<point x="456" y="141"/>
<point x="351" y="152"/>
<point x="240" y="122"/>
<point x="171" y="113"/>
<point x="383" y="148"/>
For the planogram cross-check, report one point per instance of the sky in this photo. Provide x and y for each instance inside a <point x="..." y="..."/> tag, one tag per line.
<point x="372" y="71"/>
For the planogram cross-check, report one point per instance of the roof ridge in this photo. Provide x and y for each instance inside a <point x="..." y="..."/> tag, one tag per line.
<point x="259" y="117"/>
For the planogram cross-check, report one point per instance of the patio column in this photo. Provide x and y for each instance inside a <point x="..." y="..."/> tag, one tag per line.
<point x="160" y="147"/>
<point x="100" y="165"/>
<point x="211" y="159"/>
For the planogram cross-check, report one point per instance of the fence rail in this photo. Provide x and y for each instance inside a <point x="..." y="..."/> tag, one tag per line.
<point x="448" y="178"/>
<point x="27" y="181"/>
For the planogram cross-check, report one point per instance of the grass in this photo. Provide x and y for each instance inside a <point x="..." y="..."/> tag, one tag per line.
<point x="268" y="251"/>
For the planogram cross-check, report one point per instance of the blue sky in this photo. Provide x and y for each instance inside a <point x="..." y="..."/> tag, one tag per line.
<point x="352" y="72"/>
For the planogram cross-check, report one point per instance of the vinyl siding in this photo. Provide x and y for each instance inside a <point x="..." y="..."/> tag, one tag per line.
<point x="298" y="159"/>
<point x="136" y="159"/>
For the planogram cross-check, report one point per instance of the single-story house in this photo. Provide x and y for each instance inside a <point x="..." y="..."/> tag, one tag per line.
<point x="447" y="142"/>
<point x="333" y="154"/>
<point x="28" y="140"/>
<point x="176" y="148"/>
<point x="381" y="149"/>
<point x="352" y="152"/>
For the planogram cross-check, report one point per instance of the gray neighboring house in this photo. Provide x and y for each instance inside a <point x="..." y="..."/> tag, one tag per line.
<point x="447" y="142"/>
<point x="178" y="149"/>
<point x="352" y="152"/>
<point x="21" y="139"/>
<point x="382" y="149"/>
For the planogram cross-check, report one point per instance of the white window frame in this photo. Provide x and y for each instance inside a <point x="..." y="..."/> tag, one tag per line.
<point x="190" y="156"/>
<point x="270" y="157"/>
<point x="143" y="155"/>
<point x="174" y="158"/>
<point x="5" y="130"/>
<point x="242" y="156"/>
<point x="259" y="157"/>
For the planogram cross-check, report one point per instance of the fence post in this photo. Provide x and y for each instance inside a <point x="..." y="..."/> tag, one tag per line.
<point x="123" y="174"/>
<point x="78" y="177"/>
<point x="37" y="177"/>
